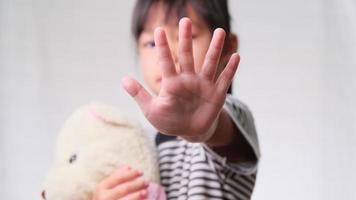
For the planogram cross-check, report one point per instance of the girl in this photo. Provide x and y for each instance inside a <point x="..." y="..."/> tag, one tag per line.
<point x="207" y="142"/>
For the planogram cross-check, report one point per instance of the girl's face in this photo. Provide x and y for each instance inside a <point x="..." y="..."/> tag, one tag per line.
<point x="147" y="54"/>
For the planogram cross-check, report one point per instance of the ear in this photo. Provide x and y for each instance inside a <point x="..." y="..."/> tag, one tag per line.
<point x="107" y="115"/>
<point x="231" y="46"/>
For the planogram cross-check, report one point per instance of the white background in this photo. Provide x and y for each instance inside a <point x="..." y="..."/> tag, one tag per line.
<point x="297" y="74"/>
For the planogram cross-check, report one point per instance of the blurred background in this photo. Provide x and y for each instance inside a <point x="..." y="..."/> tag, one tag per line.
<point x="297" y="74"/>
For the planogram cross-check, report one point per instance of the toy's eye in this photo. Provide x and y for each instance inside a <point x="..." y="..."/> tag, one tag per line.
<point x="73" y="158"/>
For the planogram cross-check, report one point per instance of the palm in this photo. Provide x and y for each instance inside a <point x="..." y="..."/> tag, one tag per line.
<point x="185" y="105"/>
<point x="188" y="102"/>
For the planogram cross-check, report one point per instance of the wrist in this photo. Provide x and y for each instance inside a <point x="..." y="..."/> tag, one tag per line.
<point x="206" y="136"/>
<point x="224" y="133"/>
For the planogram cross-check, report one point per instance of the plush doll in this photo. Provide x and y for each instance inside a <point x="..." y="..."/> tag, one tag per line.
<point x="95" y="141"/>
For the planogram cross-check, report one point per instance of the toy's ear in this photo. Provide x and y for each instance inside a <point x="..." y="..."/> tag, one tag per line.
<point x="107" y="114"/>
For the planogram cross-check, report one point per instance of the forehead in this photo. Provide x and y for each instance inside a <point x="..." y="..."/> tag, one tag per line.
<point x="158" y="15"/>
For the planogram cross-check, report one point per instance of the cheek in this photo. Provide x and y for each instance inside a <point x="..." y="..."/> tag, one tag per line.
<point x="147" y="68"/>
<point x="150" y="70"/>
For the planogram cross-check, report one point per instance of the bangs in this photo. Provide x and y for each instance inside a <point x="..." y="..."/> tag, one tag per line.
<point x="176" y="9"/>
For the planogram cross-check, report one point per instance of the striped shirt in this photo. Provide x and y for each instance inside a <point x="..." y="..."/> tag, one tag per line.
<point x="194" y="171"/>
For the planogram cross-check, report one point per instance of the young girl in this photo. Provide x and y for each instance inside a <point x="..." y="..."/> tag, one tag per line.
<point x="206" y="140"/>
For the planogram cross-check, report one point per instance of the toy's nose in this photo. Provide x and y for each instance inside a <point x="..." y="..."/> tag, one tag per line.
<point x="43" y="194"/>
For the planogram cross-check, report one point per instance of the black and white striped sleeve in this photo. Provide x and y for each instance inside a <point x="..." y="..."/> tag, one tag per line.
<point x="193" y="171"/>
<point x="243" y="120"/>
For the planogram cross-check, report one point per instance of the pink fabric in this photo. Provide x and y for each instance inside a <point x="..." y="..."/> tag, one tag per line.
<point x="97" y="116"/>
<point x="156" y="192"/>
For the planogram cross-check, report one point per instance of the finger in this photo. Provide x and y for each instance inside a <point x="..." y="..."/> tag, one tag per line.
<point x="141" y="194"/>
<point x="213" y="54"/>
<point x="164" y="53"/>
<point x="128" y="188"/>
<point x="139" y="93"/>
<point x="225" y="78"/>
<point x="185" y="49"/>
<point x="120" y="176"/>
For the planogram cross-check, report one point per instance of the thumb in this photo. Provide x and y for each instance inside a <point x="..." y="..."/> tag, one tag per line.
<point x="139" y="93"/>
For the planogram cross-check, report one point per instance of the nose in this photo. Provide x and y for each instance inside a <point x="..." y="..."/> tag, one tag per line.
<point x="173" y="46"/>
<point x="43" y="194"/>
<point x="176" y="62"/>
<point x="174" y="53"/>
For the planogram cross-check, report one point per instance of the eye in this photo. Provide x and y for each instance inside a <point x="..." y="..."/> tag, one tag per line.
<point x="73" y="158"/>
<point x="149" y="44"/>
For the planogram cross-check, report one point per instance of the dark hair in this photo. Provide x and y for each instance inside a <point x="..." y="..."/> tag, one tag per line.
<point x="214" y="12"/>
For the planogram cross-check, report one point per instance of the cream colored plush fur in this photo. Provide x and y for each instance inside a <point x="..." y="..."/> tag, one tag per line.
<point x="94" y="142"/>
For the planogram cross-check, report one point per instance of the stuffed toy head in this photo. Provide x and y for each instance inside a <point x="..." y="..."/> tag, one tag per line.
<point x="94" y="142"/>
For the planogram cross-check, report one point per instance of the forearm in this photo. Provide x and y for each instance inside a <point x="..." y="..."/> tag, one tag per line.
<point x="228" y="141"/>
<point x="224" y="132"/>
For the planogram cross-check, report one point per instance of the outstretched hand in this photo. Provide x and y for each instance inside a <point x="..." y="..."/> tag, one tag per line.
<point x="189" y="102"/>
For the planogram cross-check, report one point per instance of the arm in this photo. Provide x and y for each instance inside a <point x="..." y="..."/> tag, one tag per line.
<point x="228" y="141"/>
<point x="189" y="103"/>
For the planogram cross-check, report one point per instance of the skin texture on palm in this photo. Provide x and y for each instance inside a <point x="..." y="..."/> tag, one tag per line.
<point x="189" y="101"/>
